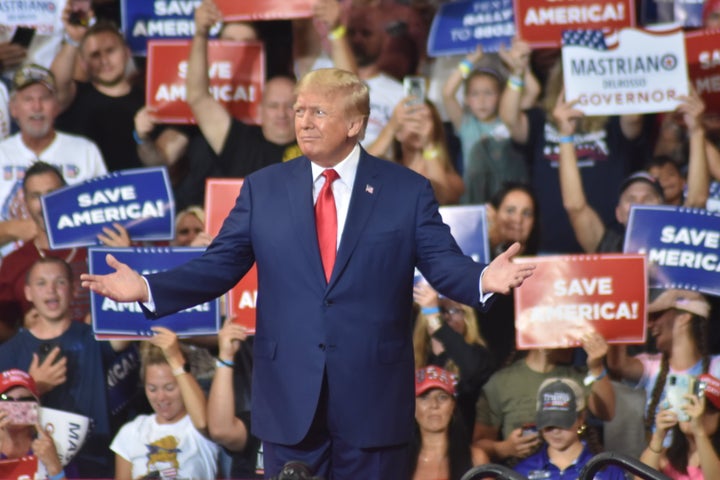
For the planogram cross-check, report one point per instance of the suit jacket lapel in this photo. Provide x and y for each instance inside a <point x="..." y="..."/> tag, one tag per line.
<point x="365" y="191"/>
<point x="302" y="213"/>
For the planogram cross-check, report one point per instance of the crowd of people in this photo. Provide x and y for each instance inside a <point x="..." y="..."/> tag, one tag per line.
<point x="493" y="130"/>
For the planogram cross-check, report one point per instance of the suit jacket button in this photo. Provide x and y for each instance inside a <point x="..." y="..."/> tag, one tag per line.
<point x="328" y="303"/>
<point x="322" y="347"/>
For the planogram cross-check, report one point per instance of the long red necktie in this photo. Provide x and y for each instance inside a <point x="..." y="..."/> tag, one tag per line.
<point x="326" y="222"/>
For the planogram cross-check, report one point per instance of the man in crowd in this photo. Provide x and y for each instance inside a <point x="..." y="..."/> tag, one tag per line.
<point x="335" y="291"/>
<point x="34" y="106"/>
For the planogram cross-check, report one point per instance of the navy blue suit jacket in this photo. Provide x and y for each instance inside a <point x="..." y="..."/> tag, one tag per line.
<point x="356" y="329"/>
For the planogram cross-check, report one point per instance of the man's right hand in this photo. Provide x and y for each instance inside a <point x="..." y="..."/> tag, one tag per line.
<point x="21" y="229"/>
<point x="520" y="446"/>
<point x="11" y="55"/>
<point x="50" y="373"/>
<point x="123" y="285"/>
<point x="207" y="14"/>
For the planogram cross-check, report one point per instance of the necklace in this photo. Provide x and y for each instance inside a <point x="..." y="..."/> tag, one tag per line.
<point x="42" y="254"/>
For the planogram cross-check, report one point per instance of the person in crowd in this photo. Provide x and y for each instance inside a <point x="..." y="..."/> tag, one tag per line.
<point x="235" y="149"/>
<point x="506" y="403"/>
<point x="21" y="440"/>
<point x="512" y="217"/>
<point x="560" y="421"/>
<point x="172" y="442"/>
<point x="591" y="232"/>
<point x="416" y="138"/>
<point x="694" y="451"/>
<point x="66" y="362"/>
<point x="671" y="179"/>
<point x="15" y="309"/>
<point x="441" y="447"/>
<point x="489" y="159"/>
<point x="103" y="107"/>
<point x="34" y="106"/>
<point x="607" y="148"/>
<point x="446" y="335"/>
<point x="229" y="401"/>
<point x="305" y="373"/>
<point x="190" y="228"/>
<point x="678" y="323"/>
<point x="367" y="39"/>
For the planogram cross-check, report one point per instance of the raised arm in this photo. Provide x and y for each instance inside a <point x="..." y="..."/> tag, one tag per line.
<point x="23" y="229"/>
<point x="453" y="108"/>
<point x="601" y="401"/>
<point x="225" y="428"/>
<point x="192" y="395"/>
<point x="212" y="118"/>
<point x="698" y="177"/>
<point x="328" y="13"/>
<point x="587" y="224"/>
<point x="511" y="101"/>
<point x="622" y="365"/>
<point x="63" y="65"/>
<point x="166" y="149"/>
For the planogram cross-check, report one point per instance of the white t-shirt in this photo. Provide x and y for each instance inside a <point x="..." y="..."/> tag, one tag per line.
<point x="77" y="158"/>
<point x="174" y="450"/>
<point x="385" y="93"/>
<point x="4" y="112"/>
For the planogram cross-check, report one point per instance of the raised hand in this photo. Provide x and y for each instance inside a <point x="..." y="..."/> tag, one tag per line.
<point x="502" y="275"/>
<point x="230" y="338"/>
<point x="566" y="115"/>
<point x="123" y="285"/>
<point x="207" y="14"/>
<point x="44" y="449"/>
<point x="117" y="236"/>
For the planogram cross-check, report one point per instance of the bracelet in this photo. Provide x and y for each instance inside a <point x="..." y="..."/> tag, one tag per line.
<point x="430" y="153"/>
<point x="177" y="371"/>
<point x="136" y="137"/>
<point x="434" y="322"/>
<point x="589" y="380"/>
<point x="337" y="33"/>
<point x="67" y="39"/>
<point x="430" y="310"/>
<point x="515" y="83"/>
<point x="567" y="139"/>
<point x="57" y="476"/>
<point x="219" y="363"/>
<point x="657" y="452"/>
<point x="465" y="67"/>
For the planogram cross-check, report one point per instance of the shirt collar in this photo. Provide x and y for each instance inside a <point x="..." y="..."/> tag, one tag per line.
<point x="347" y="168"/>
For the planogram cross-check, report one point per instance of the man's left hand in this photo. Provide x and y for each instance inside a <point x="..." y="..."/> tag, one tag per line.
<point x="502" y="275"/>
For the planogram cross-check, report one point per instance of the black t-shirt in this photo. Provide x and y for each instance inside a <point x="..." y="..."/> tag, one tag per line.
<point x="107" y="121"/>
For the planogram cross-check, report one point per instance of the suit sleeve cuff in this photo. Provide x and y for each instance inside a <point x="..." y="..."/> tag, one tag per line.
<point x="484" y="297"/>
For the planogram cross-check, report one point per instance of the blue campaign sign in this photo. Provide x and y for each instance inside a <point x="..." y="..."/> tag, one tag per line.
<point x="126" y="320"/>
<point x="458" y="27"/>
<point x="468" y="225"/>
<point x="139" y="199"/>
<point x="144" y="20"/>
<point x="682" y="246"/>
<point x="686" y="13"/>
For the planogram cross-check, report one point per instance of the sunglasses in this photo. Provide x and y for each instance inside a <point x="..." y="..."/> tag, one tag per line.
<point x="7" y="398"/>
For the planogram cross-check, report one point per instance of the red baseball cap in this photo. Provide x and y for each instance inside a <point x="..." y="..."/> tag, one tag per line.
<point x="17" y="378"/>
<point x="430" y="377"/>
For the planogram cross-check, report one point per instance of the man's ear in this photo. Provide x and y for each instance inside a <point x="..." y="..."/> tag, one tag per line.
<point x="28" y="296"/>
<point x="355" y="126"/>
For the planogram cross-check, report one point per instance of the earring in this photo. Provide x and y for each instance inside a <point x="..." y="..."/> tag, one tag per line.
<point x="581" y="429"/>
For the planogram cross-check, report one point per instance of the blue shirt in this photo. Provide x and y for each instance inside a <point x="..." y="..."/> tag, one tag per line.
<point x="539" y="467"/>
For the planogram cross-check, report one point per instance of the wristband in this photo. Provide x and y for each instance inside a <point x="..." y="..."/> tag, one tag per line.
<point x="219" y="363"/>
<point x="57" y="476"/>
<point x="430" y="153"/>
<point x="515" y="83"/>
<point x="567" y="139"/>
<point x="430" y="310"/>
<point x="589" y="380"/>
<point x="337" y="33"/>
<point x="465" y="67"/>
<point x="67" y="39"/>
<point x="181" y="370"/>
<point x="136" y="137"/>
<point x="657" y="452"/>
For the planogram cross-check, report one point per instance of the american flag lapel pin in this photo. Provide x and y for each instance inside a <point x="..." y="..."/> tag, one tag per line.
<point x="369" y="189"/>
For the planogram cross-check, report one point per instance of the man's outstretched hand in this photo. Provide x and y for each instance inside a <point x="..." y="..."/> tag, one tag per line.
<point x="124" y="285"/>
<point x="502" y="275"/>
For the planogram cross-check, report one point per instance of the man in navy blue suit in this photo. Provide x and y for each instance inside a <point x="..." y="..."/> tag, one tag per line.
<point x="333" y="359"/>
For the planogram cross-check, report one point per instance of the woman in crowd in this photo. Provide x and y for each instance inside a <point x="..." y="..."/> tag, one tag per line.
<point x="446" y="335"/>
<point x="19" y="440"/>
<point x="190" y="228"/>
<point x="173" y="439"/>
<point x="560" y="420"/>
<point x="440" y="449"/>
<point x="693" y="450"/>
<point x="416" y="136"/>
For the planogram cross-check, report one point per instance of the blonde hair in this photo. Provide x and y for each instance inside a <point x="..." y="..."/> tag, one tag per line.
<point x="421" y="338"/>
<point x="191" y="210"/>
<point x="334" y="82"/>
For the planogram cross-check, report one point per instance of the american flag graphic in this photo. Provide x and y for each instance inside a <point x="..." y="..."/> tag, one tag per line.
<point x="594" y="39"/>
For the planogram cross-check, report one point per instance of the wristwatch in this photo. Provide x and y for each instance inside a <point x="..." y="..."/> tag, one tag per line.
<point x="182" y="370"/>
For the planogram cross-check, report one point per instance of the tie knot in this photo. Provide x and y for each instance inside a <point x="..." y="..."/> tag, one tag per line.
<point x="330" y="175"/>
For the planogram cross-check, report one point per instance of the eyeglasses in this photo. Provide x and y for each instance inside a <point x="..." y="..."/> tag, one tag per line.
<point x="7" y="398"/>
<point x="452" y="311"/>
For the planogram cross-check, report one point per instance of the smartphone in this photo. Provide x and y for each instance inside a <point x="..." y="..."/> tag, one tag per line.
<point x="414" y="87"/>
<point x="44" y="350"/>
<point x="23" y="36"/>
<point x="21" y="413"/>
<point x="528" y="429"/>
<point x="678" y="385"/>
<point x="80" y="14"/>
